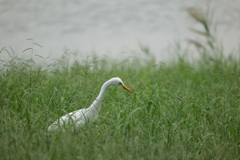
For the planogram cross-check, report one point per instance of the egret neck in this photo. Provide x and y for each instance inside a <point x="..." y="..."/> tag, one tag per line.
<point x="98" y="101"/>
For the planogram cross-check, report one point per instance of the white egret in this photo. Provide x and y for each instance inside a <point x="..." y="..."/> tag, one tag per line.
<point x="78" y="118"/>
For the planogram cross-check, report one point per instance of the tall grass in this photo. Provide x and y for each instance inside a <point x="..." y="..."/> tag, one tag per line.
<point x="177" y="111"/>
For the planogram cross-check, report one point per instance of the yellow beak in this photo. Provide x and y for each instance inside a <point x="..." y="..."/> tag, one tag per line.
<point x="125" y="87"/>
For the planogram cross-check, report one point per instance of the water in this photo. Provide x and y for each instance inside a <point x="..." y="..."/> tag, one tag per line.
<point x="108" y="27"/>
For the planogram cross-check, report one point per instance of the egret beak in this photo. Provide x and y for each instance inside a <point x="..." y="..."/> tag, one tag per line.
<point x="125" y="87"/>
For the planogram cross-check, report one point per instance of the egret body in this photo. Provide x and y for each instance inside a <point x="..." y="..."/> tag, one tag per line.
<point x="78" y="118"/>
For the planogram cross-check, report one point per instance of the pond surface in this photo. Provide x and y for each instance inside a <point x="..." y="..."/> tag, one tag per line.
<point x="109" y="27"/>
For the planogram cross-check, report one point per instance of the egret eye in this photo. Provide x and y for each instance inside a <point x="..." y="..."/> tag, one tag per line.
<point x="120" y="83"/>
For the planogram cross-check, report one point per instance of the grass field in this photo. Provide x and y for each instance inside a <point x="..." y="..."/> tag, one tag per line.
<point x="178" y="110"/>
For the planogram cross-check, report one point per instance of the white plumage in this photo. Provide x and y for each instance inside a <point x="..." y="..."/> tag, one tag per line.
<point x="78" y="118"/>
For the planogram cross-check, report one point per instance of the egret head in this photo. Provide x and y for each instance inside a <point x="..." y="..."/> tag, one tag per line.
<point x="118" y="82"/>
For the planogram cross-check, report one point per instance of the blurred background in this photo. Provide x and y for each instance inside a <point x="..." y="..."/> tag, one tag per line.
<point x="112" y="28"/>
